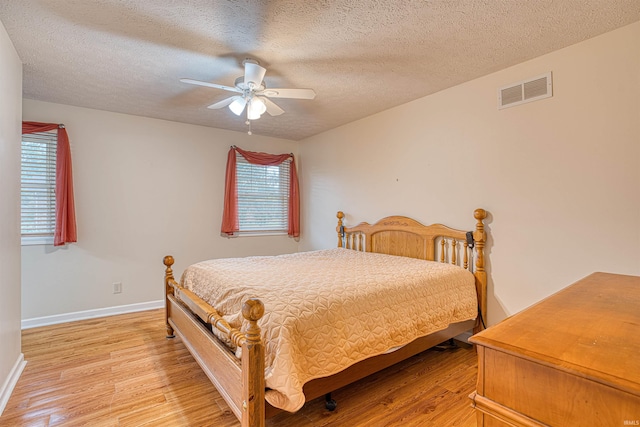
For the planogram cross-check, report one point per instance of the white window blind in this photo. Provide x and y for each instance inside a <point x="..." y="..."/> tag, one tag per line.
<point x="263" y="196"/>
<point x="38" y="184"/>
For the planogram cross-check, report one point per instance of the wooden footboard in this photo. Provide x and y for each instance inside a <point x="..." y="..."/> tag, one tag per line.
<point x="240" y="383"/>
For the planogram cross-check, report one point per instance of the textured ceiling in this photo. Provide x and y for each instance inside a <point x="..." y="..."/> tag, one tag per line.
<point x="361" y="57"/>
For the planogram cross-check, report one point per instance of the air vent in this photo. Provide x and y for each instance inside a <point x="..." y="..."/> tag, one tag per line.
<point x="525" y="91"/>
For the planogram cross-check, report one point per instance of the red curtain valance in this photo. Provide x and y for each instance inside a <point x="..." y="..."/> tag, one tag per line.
<point x="65" y="208"/>
<point x="230" y="222"/>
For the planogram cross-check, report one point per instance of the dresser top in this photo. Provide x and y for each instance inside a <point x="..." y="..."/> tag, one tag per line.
<point x="590" y="328"/>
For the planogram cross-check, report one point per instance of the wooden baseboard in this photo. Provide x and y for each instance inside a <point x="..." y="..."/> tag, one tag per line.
<point x="90" y="314"/>
<point x="11" y="381"/>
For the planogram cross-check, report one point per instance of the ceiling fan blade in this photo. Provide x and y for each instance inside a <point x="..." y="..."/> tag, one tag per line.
<point x="253" y="73"/>
<point x="223" y="103"/>
<point x="214" y="85"/>
<point x="288" y="93"/>
<point x="272" y="108"/>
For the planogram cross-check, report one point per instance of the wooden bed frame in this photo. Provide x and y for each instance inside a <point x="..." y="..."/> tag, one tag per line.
<point x="241" y="382"/>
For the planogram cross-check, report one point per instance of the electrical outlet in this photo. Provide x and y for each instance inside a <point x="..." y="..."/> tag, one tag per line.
<point x="117" y="287"/>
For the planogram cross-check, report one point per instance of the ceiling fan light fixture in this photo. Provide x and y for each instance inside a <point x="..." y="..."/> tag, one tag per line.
<point x="256" y="108"/>
<point x="237" y="106"/>
<point x="252" y="93"/>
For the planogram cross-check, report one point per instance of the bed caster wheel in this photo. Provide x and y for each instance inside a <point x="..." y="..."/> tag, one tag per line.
<point x="329" y="403"/>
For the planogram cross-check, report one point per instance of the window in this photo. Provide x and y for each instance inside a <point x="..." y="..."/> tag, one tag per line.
<point x="263" y="196"/>
<point x="38" y="184"/>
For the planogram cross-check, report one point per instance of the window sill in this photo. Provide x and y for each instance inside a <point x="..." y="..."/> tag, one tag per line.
<point x="257" y="233"/>
<point x="37" y="240"/>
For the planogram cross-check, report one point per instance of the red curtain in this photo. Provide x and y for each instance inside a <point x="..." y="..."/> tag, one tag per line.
<point x="230" y="214"/>
<point x="65" y="209"/>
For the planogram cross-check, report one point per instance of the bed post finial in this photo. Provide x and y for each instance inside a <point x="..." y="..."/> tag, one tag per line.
<point x="340" y="227"/>
<point x="479" y="214"/>
<point x="168" y="290"/>
<point x="480" y="237"/>
<point x="253" y="310"/>
<point x="168" y="273"/>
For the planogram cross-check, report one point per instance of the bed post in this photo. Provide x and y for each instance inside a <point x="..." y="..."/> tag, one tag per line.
<point x="480" y="237"/>
<point x="340" y="228"/>
<point x="253" y="383"/>
<point x="168" y="290"/>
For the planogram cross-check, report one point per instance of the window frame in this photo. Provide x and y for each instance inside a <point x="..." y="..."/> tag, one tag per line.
<point x="284" y="184"/>
<point x="48" y="175"/>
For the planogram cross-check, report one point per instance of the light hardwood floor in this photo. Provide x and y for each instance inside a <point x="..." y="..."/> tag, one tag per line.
<point x="122" y="371"/>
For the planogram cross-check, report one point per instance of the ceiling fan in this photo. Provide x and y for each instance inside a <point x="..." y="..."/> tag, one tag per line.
<point x="252" y="93"/>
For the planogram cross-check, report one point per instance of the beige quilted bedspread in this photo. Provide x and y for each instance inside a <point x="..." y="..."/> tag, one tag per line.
<point x="326" y="310"/>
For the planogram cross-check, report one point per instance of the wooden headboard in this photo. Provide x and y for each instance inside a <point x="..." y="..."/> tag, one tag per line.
<point x="403" y="236"/>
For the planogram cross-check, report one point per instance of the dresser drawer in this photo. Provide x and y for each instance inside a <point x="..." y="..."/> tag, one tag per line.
<point x="528" y="393"/>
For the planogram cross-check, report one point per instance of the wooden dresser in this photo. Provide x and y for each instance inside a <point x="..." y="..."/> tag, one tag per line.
<point x="572" y="359"/>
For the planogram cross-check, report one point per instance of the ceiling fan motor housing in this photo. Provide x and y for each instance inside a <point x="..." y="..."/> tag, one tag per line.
<point x="240" y="84"/>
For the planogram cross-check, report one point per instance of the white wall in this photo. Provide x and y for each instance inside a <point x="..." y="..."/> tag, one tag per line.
<point x="144" y="188"/>
<point x="10" y="129"/>
<point x="560" y="177"/>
